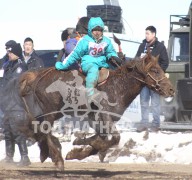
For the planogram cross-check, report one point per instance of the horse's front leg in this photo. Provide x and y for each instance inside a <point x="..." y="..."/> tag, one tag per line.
<point x="84" y="141"/>
<point x="109" y="136"/>
<point x="84" y="150"/>
<point x="91" y="146"/>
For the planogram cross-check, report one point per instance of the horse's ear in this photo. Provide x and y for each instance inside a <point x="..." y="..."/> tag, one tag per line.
<point x="149" y="52"/>
<point x="147" y="59"/>
<point x="156" y="58"/>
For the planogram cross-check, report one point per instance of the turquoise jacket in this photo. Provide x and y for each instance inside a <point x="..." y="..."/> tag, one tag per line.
<point x="88" y="50"/>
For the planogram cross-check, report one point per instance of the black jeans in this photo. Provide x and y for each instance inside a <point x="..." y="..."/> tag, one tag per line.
<point x="13" y="124"/>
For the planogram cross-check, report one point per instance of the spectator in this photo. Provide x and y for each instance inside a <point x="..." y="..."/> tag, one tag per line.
<point x="70" y="39"/>
<point x="3" y="62"/>
<point x="32" y="60"/>
<point x="5" y="59"/>
<point x="13" y="69"/>
<point x="156" y="48"/>
<point x="82" y="26"/>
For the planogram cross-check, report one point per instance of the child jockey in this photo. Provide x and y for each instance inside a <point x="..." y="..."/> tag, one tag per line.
<point x="94" y="51"/>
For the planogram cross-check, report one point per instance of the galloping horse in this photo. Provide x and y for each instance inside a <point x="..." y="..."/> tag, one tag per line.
<point x="121" y="88"/>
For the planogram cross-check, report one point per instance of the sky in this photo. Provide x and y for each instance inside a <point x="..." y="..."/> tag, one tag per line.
<point x="43" y="20"/>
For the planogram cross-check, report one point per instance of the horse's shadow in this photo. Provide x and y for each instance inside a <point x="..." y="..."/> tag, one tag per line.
<point x="84" y="174"/>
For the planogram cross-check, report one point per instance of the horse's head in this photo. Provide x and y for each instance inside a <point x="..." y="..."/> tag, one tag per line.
<point x="153" y="76"/>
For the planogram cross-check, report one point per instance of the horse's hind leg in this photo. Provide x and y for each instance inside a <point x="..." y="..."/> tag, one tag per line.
<point x="44" y="149"/>
<point x="55" y="151"/>
<point x="81" y="153"/>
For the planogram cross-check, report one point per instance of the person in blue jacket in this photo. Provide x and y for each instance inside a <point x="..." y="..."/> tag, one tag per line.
<point x="94" y="51"/>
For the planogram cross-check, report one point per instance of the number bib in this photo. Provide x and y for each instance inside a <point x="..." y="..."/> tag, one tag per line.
<point x="97" y="50"/>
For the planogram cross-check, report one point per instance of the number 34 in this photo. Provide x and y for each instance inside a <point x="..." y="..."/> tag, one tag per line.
<point x="96" y="51"/>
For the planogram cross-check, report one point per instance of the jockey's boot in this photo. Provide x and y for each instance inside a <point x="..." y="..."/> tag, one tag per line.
<point x="25" y="161"/>
<point x="10" y="149"/>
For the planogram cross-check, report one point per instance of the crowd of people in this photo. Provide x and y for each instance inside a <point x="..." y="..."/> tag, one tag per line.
<point x="13" y="64"/>
<point x="86" y="49"/>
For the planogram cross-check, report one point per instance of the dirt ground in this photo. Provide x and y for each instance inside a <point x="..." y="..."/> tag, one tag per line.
<point x="87" y="170"/>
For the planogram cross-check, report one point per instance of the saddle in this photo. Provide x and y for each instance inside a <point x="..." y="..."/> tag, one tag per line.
<point x="103" y="76"/>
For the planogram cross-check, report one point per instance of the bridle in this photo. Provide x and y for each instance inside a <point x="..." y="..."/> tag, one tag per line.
<point x="155" y="86"/>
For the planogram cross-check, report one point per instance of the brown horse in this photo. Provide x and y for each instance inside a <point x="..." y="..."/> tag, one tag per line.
<point x="59" y="93"/>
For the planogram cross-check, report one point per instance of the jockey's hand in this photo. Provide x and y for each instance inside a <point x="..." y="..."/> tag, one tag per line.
<point x="117" y="60"/>
<point x="60" y="66"/>
<point x="121" y="55"/>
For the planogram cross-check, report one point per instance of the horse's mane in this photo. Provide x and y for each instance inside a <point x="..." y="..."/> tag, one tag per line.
<point x="136" y="62"/>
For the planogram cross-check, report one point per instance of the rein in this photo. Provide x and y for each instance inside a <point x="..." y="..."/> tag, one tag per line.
<point x="155" y="86"/>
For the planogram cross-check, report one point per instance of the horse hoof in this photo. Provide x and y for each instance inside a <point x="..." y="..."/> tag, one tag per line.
<point x="102" y="155"/>
<point x="79" y="141"/>
<point x="60" y="166"/>
<point x="79" y="134"/>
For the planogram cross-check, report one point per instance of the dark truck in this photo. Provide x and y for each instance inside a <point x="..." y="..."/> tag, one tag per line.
<point x="178" y="111"/>
<point x="49" y="57"/>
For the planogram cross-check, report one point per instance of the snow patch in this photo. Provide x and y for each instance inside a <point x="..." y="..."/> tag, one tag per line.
<point x="162" y="147"/>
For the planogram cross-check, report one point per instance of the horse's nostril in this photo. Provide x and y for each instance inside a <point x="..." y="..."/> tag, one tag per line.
<point x="158" y="86"/>
<point x="172" y="91"/>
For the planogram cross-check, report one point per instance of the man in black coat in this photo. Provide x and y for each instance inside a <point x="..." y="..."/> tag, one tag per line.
<point x="13" y="113"/>
<point x="3" y="63"/>
<point x="156" y="48"/>
<point x="14" y="66"/>
<point x="32" y="60"/>
<point x="5" y="58"/>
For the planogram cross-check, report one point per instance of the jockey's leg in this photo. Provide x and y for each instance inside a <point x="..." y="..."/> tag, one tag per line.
<point x="92" y="75"/>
